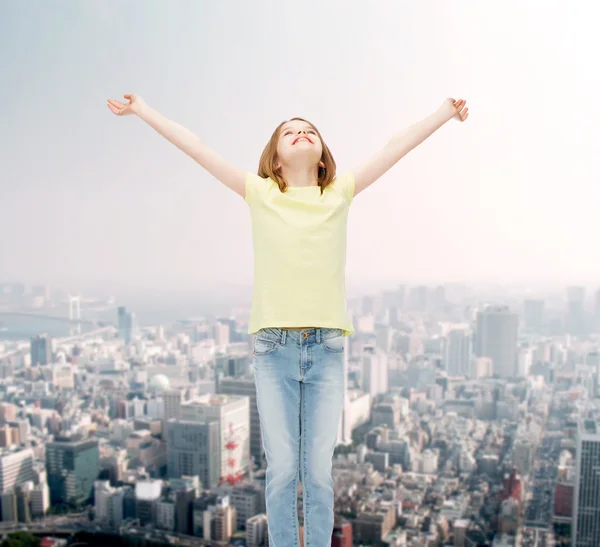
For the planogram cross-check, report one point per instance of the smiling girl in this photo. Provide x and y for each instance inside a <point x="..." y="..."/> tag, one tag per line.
<point x="299" y="210"/>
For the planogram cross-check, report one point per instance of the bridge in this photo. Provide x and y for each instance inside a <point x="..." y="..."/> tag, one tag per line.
<point x="74" y="317"/>
<point x="54" y="318"/>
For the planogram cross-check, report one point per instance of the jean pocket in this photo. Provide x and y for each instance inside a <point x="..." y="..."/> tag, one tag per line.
<point x="335" y="344"/>
<point x="263" y="347"/>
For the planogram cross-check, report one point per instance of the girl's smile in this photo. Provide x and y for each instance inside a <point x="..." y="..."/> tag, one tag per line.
<point x="301" y="137"/>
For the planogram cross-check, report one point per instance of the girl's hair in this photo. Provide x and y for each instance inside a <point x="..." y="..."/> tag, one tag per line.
<point x="268" y="159"/>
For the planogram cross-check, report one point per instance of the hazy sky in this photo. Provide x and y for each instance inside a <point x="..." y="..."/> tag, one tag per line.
<point x="511" y="194"/>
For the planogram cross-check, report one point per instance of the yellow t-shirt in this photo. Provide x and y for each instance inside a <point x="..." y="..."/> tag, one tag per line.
<point x="299" y="239"/>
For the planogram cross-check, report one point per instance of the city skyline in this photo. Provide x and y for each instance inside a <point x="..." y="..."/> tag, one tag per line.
<point x="463" y="413"/>
<point x="99" y="201"/>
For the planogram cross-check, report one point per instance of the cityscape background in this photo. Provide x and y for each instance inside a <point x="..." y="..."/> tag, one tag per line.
<point x="127" y="398"/>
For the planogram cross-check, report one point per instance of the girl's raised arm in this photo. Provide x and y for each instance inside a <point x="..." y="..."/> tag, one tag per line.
<point x="231" y="176"/>
<point x="402" y="143"/>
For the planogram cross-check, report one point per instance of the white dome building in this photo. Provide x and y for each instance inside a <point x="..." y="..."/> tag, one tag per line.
<point x="159" y="384"/>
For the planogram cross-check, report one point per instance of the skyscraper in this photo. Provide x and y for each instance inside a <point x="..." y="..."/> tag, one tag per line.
<point x="126" y="324"/>
<point x="497" y="333"/>
<point x="193" y="450"/>
<point x="346" y="420"/>
<point x="174" y="398"/>
<point x="374" y="371"/>
<point x="232" y="413"/>
<point x="458" y="352"/>
<point x="72" y="464"/>
<point x="585" y="529"/>
<point x="246" y="387"/>
<point x="16" y="467"/>
<point x="576" y="323"/>
<point x="41" y="350"/>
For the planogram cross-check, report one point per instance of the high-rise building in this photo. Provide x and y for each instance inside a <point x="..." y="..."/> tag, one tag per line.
<point x="576" y="323"/>
<point x="185" y="490"/>
<point x="108" y="503"/>
<point x="147" y="497"/>
<point x="375" y="371"/>
<point x="342" y="533"/>
<point x="126" y="324"/>
<point x="563" y="501"/>
<point x="246" y="387"/>
<point x="458" y="352"/>
<point x="585" y="529"/>
<point x="72" y="464"/>
<point x="16" y="467"/>
<point x="41" y="350"/>
<point x="246" y="498"/>
<point x="8" y="413"/>
<point x="233" y="416"/>
<point x="347" y="418"/>
<point x="231" y="364"/>
<point x="497" y="333"/>
<point x="174" y="398"/>
<point x="193" y="450"/>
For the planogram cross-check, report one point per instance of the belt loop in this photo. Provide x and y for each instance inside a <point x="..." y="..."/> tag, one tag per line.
<point x="318" y="333"/>
<point x="283" y="333"/>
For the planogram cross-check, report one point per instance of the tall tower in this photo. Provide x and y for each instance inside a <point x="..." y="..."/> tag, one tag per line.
<point x="458" y="352"/>
<point x="497" y="333"/>
<point x="345" y="427"/>
<point x="75" y="314"/>
<point x="585" y="529"/>
<point x="576" y="310"/>
<point x="41" y="350"/>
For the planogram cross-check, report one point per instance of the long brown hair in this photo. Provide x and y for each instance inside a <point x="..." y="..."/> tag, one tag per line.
<point x="266" y="165"/>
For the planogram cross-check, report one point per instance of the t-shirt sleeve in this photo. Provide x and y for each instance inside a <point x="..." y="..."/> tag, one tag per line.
<point x="344" y="184"/>
<point x="254" y="186"/>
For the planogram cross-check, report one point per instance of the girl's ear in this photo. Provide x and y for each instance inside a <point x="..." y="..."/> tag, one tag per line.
<point x="321" y="164"/>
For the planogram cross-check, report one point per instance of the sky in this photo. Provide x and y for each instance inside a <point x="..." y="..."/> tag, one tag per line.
<point x="91" y="199"/>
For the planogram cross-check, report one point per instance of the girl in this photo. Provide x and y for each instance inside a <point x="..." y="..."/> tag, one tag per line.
<point x="299" y="210"/>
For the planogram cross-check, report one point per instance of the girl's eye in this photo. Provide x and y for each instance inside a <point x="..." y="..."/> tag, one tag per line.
<point x="311" y="131"/>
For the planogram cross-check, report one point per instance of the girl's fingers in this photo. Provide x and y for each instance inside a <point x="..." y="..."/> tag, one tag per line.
<point x="114" y="109"/>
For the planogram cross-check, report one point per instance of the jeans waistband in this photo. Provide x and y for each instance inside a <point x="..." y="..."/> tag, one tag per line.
<point x="278" y="334"/>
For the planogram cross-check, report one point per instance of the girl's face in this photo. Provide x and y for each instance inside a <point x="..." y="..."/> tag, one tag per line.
<point x="299" y="142"/>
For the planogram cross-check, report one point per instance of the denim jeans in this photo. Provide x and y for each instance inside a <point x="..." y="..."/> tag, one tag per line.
<point x="299" y="377"/>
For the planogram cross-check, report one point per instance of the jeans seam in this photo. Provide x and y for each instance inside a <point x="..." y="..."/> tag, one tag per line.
<point x="303" y="433"/>
<point x="295" y="505"/>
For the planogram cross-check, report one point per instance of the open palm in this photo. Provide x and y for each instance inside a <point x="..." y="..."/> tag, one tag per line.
<point x="122" y="109"/>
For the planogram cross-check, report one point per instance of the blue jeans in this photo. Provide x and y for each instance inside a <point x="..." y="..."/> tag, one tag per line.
<point x="299" y="377"/>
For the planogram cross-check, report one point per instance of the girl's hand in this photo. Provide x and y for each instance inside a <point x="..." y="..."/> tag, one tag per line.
<point x="136" y="103"/>
<point x="455" y="109"/>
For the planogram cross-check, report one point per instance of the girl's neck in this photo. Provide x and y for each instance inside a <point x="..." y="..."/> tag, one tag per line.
<point x="300" y="176"/>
